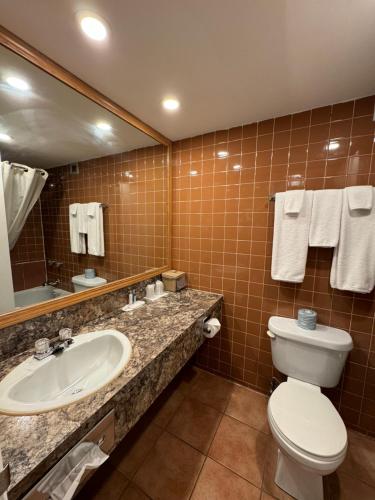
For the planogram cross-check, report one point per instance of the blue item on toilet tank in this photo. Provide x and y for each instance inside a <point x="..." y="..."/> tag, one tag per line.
<point x="307" y="319"/>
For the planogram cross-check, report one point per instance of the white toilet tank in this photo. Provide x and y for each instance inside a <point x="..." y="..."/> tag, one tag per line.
<point x="80" y="283"/>
<point x="313" y="356"/>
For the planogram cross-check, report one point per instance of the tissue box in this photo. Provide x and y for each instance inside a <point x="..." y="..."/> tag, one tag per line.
<point x="174" y="280"/>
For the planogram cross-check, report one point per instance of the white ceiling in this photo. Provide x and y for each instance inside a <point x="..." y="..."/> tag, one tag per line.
<point x="52" y="124"/>
<point x="228" y="61"/>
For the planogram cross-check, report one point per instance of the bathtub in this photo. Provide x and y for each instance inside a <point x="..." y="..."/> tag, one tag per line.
<point x="38" y="294"/>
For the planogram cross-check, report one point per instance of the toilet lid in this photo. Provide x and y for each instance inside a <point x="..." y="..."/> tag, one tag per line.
<point x="308" y="419"/>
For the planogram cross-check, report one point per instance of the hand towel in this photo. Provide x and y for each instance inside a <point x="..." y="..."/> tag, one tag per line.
<point x="82" y="218"/>
<point x="325" y="218"/>
<point x="77" y="240"/>
<point x="353" y="264"/>
<point x="294" y="201"/>
<point x="290" y="240"/>
<point x="95" y="230"/>
<point x="360" y="197"/>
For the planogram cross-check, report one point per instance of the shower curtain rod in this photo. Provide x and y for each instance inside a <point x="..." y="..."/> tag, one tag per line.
<point x="13" y="165"/>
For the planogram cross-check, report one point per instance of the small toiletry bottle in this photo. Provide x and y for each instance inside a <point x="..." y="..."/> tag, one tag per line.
<point x="150" y="291"/>
<point x="131" y="297"/>
<point x="134" y="296"/>
<point x="159" y="287"/>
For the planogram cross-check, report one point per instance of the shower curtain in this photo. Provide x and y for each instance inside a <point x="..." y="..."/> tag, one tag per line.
<point x="22" y="188"/>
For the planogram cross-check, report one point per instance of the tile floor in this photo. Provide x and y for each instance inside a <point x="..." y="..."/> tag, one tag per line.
<point x="207" y="438"/>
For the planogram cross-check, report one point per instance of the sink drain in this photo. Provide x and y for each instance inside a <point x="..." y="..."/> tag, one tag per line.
<point x="76" y="391"/>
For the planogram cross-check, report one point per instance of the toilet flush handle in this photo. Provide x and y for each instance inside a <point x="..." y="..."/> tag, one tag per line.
<point x="271" y="335"/>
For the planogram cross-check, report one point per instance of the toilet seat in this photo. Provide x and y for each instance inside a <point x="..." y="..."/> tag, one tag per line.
<point x="307" y="425"/>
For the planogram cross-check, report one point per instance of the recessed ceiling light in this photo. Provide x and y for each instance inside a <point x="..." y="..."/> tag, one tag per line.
<point x="222" y="154"/>
<point x="5" y="137"/>
<point x="193" y="172"/>
<point x="171" y="104"/>
<point x="237" y="167"/>
<point x="333" y="145"/>
<point x="104" y="126"/>
<point x="93" y="27"/>
<point x="17" y="83"/>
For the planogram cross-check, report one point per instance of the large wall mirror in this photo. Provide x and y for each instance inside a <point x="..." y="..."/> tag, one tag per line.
<point x="84" y="198"/>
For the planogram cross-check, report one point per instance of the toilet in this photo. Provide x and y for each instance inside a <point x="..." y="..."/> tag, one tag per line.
<point x="80" y="283"/>
<point x="311" y="436"/>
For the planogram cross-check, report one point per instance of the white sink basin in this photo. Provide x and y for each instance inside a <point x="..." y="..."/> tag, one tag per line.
<point x="91" y="362"/>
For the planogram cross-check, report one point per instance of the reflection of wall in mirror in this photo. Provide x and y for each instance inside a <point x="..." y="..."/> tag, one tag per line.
<point x="133" y="186"/>
<point x="27" y="257"/>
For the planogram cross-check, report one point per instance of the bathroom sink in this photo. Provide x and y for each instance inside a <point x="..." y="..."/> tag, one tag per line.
<point x="91" y="362"/>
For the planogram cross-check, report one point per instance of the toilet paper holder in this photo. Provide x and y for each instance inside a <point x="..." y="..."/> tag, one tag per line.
<point x="204" y="323"/>
<point x="207" y="329"/>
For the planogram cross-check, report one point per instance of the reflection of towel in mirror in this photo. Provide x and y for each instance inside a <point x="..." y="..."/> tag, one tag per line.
<point x="77" y="239"/>
<point x="82" y="218"/>
<point x="95" y="231"/>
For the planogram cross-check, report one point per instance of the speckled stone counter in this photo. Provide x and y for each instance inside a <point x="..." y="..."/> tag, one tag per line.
<point x="164" y="335"/>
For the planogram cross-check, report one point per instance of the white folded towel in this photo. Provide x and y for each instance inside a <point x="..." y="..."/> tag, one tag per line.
<point x="92" y="209"/>
<point x="294" y="201"/>
<point x="77" y="240"/>
<point x="290" y="240"/>
<point x="360" y="197"/>
<point x="73" y="208"/>
<point x="353" y="264"/>
<point x="95" y="230"/>
<point x="325" y="218"/>
<point x="82" y="218"/>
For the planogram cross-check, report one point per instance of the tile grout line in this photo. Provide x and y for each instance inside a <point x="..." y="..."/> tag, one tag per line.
<point x="211" y="458"/>
<point x="163" y="429"/>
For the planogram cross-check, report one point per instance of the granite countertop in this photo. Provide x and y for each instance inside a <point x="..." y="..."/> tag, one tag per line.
<point x="27" y="441"/>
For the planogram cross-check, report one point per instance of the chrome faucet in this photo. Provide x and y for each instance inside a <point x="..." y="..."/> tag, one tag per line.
<point x="43" y="348"/>
<point x="52" y="283"/>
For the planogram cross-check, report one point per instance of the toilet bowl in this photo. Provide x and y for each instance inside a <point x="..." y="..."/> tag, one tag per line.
<point x="311" y="436"/>
<point x="310" y="433"/>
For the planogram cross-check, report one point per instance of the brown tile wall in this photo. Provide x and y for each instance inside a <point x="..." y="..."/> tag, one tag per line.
<point x="222" y="237"/>
<point x="27" y="257"/>
<point x="133" y="185"/>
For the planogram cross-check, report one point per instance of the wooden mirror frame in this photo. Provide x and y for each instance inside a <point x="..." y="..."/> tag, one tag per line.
<point x="23" y="49"/>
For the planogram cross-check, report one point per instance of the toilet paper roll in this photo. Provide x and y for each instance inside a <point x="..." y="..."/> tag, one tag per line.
<point x="90" y="273"/>
<point x="211" y="327"/>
